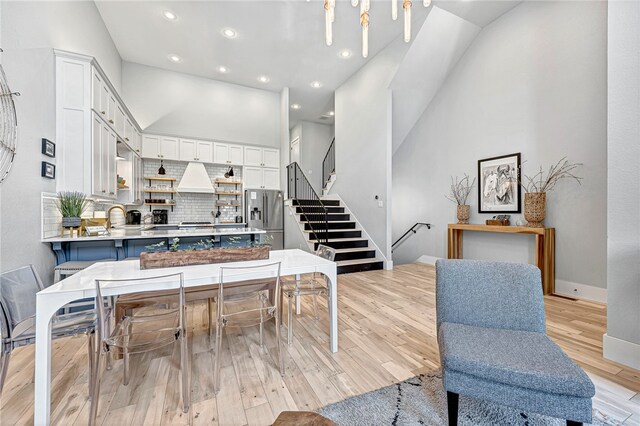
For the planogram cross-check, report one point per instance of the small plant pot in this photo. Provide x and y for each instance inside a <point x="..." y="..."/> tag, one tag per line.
<point x="534" y="208"/>
<point x="71" y="222"/>
<point x="463" y="213"/>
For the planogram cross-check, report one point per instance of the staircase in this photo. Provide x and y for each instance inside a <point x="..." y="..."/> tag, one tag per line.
<point x="353" y="251"/>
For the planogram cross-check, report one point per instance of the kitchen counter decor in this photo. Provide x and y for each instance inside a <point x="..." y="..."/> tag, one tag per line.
<point x="71" y="204"/>
<point x="200" y="253"/>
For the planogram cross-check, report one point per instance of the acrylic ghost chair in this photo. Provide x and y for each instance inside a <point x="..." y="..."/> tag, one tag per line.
<point x="313" y="287"/>
<point x="18" y="290"/>
<point x="146" y="329"/>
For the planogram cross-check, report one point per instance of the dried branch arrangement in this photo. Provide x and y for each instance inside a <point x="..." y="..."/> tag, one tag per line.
<point x="545" y="181"/>
<point x="460" y="190"/>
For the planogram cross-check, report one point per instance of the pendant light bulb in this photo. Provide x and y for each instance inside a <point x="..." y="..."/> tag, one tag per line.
<point x="364" y="21"/>
<point x="394" y="9"/>
<point x="426" y="3"/>
<point x="406" y="5"/>
<point x="327" y="16"/>
<point x="354" y="3"/>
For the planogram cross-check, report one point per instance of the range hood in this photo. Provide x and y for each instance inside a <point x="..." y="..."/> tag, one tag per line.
<point x="195" y="179"/>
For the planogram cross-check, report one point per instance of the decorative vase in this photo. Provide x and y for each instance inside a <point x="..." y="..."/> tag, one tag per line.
<point x="71" y="222"/>
<point x="463" y="213"/>
<point x="534" y="208"/>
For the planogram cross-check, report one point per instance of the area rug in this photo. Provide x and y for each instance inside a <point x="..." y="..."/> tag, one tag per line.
<point x="421" y="400"/>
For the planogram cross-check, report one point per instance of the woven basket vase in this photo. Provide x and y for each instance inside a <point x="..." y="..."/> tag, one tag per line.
<point x="534" y="208"/>
<point x="463" y="213"/>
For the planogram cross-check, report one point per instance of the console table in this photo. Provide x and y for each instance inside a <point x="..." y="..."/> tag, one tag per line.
<point x="545" y="246"/>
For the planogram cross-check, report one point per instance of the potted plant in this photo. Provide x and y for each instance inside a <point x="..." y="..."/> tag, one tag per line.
<point x="202" y="252"/>
<point x="71" y="204"/>
<point x="537" y="186"/>
<point x="460" y="190"/>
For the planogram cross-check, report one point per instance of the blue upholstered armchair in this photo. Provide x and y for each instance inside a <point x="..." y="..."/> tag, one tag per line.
<point x="493" y="346"/>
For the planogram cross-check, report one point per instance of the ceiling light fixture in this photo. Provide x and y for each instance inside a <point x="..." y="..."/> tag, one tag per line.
<point x="295" y="106"/>
<point x="229" y="33"/>
<point x="169" y="15"/>
<point x="222" y="69"/>
<point x="330" y="16"/>
<point x="264" y="79"/>
<point x="175" y="58"/>
<point x="344" y="54"/>
<point x="316" y="84"/>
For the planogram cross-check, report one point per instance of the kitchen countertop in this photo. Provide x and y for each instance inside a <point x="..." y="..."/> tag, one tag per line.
<point x="132" y="232"/>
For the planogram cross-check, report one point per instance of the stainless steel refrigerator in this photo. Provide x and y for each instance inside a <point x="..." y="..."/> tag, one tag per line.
<point x="264" y="209"/>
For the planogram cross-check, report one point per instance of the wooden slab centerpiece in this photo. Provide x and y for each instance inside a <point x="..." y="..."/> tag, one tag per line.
<point x="201" y="253"/>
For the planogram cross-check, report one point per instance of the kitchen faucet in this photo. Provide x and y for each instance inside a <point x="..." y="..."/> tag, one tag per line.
<point x="115" y="206"/>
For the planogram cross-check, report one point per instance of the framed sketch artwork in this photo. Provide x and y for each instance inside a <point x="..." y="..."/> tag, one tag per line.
<point x="498" y="189"/>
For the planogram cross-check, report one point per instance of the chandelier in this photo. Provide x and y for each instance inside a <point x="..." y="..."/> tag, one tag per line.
<point x="330" y="16"/>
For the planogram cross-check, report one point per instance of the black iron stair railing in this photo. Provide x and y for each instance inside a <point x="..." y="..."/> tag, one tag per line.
<point x="409" y="231"/>
<point x="329" y="163"/>
<point x="308" y="201"/>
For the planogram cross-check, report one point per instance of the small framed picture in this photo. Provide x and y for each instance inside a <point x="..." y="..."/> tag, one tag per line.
<point x="48" y="170"/>
<point x="499" y="190"/>
<point x="48" y="148"/>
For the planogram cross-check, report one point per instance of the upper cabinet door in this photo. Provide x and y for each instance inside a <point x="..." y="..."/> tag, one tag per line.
<point x="105" y="94"/>
<point x="137" y="141"/>
<point x="119" y="125"/>
<point x="150" y="146"/>
<point x="271" y="178"/>
<point x="252" y="156"/>
<point x="129" y="135"/>
<point x="236" y="155"/>
<point x="271" y="157"/>
<point x="188" y="150"/>
<point x="169" y="148"/>
<point x="220" y="153"/>
<point x="205" y="151"/>
<point x="252" y="177"/>
<point x="111" y="108"/>
<point x="96" y="155"/>
<point x="111" y="175"/>
<point x="96" y="90"/>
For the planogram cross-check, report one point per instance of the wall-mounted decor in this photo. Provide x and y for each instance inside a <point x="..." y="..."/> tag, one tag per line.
<point x="8" y="126"/>
<point x="48" y="170"/>
<point x="498" y="187"/>
<point x="48" y="148"/>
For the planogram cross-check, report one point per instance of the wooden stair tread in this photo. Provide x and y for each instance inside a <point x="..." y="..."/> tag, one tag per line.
<point x="352" y="249"/>
<point x="332" y="230"/>
<point x="358" y="261"/>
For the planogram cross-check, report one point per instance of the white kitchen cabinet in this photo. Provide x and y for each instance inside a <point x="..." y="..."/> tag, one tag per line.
<point x="103" y="159"/>
<point x="137" y="142"/>
<point x="120" y="121"/>
<point x="224" y="153"/>
<point x="96" y="155"/>
<point x="195" y="150"/>
<point x="261" y="178"/>
<point x="129" y="133"/>
<point x="271" y="157"/>
<point x="111" y="107"/>
<point x="271" y="178"/>
<point x="162" y="147"/>
<point x="252" y="156"/>
<point x="261" y="157"/>
<point x="96" y="90"/>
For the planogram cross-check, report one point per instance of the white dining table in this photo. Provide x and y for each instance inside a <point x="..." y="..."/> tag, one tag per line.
<point x="82" y="285"/>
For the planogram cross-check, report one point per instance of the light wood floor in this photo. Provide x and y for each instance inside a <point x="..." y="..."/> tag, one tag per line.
<point x="387" y="334"/>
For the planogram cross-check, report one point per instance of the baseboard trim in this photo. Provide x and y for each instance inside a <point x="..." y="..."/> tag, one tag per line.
<point x="429" y="260"/>
<point x="388" y="265"/>
<point x="622" y="351"/>
<point x="581" y="291"/>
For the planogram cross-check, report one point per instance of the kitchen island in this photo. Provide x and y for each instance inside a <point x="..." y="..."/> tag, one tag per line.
<point x="130" y="240"/>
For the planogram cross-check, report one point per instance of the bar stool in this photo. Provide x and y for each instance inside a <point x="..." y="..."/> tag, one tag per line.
<point x="69" y="268"/>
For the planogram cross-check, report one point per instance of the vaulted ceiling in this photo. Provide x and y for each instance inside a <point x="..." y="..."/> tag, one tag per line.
<point x="283" y="40"/>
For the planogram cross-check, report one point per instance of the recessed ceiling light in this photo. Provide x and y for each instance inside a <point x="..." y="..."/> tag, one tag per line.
<point x="169" y="15"/>
<point x="331" y="113"/>
<point x="316" y="84"/>
<point x="229" y="33"/>
<point x="295" y="106"/>
<point x="264" y="79"/>
<point x="344" y="54"/>
<point x="175" y="58"/>
<point x="222" y="69"/>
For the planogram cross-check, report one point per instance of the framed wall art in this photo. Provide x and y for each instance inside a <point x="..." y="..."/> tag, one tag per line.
<point x="498" y="188"/>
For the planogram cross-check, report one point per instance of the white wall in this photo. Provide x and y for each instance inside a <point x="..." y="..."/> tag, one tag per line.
<point x="533" y="81"/>
<point x="363" y="143"/>
<point x="315" y="139"/>
<point x="622" y="341"/>
<point x="30" y="30"/>
<point x="172" y="103"/>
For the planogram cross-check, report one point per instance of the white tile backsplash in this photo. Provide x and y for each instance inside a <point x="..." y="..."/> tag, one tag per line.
<point x="190" y="206"/>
